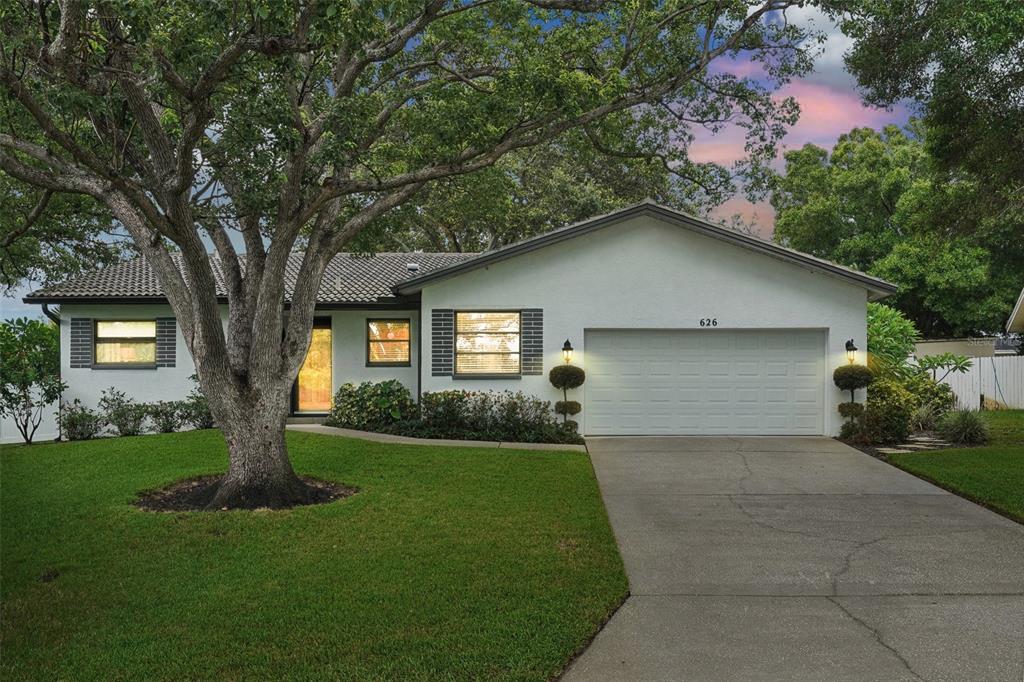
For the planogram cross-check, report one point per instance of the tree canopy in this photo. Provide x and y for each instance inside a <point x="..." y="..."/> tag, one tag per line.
<point x="878" y="202"/>
<point x="264" y="125"/>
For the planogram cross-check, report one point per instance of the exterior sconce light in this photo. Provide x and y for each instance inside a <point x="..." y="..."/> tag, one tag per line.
<point x="851" y="351"/>
<point x="567" y="351"/>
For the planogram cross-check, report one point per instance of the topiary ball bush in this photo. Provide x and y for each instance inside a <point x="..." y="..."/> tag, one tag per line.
<point x="569" y="407"/>
<point x="851" y="410"/>
<point x="565" y="377"/>
<point x="852" y="377"/>
<point x="963" y="427"/>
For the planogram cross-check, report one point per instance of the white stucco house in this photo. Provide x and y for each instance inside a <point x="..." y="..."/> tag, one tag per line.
<point x="683" y="326"/>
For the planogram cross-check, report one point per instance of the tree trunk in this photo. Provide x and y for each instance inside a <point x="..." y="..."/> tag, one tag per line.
<point x="259" y="471"/>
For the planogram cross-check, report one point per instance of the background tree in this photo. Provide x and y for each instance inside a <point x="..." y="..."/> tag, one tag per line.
<point x="29" y="372"/>
<point x="266" y="125"/>
<point x="878" y="203"/>
<point x="962" y="66"/>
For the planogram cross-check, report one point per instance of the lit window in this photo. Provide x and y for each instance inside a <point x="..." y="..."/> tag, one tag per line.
<point x="487" y="343"/>
<point x="128" y="342"/>
<point x="387" y="342"/>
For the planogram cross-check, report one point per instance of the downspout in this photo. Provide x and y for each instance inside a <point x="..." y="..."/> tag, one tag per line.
<point x="55" y="318"/>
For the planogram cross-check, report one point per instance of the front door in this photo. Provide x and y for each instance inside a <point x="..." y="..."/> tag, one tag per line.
<point x="312" y="392"/>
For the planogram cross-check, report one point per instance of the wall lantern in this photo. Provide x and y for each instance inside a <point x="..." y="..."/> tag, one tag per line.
<point x="567" y="351"/>
<point x="851" y="351"/>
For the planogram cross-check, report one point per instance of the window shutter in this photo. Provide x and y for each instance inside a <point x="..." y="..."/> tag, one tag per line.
<point x="81" y="342"/>
<point x="532" y="341"/>
<point x="166" y="342"/>
<point x="442" y="342"/>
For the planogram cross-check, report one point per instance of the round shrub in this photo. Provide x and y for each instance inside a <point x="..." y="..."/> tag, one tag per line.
<point x="78" y="422"/>
<point x="370" y="406"/>
<point x="851" y="410"/>
<point x="852" y="377"/>
<point x="887" y="415"/>
<point x="964" y="427"/>
<point x="569" y="407"/>
<point x="567" y="377"/>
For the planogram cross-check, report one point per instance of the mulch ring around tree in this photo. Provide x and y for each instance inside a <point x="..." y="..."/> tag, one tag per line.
<point x="182" y="496"/>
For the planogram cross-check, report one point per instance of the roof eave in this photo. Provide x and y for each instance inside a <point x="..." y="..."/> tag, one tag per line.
<point x="877" y="288"/>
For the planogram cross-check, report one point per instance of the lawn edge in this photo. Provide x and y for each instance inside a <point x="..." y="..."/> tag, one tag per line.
<point x="959" y="493"/>
<point x="585" y="644"/>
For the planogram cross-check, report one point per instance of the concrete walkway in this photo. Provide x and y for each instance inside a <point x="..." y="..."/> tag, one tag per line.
<point x="800" y="559"/>
<point x="406" y="440"/>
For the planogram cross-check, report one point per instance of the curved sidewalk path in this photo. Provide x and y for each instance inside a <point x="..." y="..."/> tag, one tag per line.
<point x="800" y="559"/>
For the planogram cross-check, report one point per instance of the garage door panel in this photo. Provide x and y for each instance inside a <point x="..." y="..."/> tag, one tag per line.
<point x="694" y="381"/>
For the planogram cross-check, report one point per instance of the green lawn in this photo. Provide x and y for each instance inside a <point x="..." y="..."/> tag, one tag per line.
<point x="992" y="475"/>
<point x="451" y="563"/>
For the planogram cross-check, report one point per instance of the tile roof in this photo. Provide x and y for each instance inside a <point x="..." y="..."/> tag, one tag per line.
<point x="349" y="279"/>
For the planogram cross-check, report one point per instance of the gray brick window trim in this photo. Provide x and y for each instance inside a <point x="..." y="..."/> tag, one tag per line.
<point x="531" y="341"/>
<point x="81" y="342"/>
<point x="166" y="341"/>
<point x="442" y="342"/>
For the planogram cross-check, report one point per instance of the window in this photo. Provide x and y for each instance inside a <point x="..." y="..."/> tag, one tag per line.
<point x="487" y="343"/>
<point x="387" y="342"/>
<point x="125" y="342"/>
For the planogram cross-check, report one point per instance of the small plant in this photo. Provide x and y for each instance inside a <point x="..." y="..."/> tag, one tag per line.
<point x="964" y="427"/>
<point x="123" y="413"/>
<point x="29" y="372"/>
<point x="852" y="378"/>
<point x="565" y="377"/>
<point x="167" y="415"/>
<point x="950" y="362"/>
<point x="78" y="422"/>
<point x="195" y="409"/>
<point x="370" y="406"/>
<point x="924" y="417"/>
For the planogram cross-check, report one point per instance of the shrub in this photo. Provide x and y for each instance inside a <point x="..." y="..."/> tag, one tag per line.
<point x="195" y="409"/>
<point x="887" y="415"/>
<point x="891" y="340"/>
<point x="168" y="415"/>
<point x="852" y="378"/>
<point x="569" y="407"/>
<point x="924" y="417"/>
<point x="964" y="427"/>
<point x="78" y="422"/>
<point x="486" y="415"/>
<point x="851" y="410"/>
<point x="370" y="406"/>
<point x="927" y="391"/>
<point x="123" y="413"/>
<point x="565" y="377"/>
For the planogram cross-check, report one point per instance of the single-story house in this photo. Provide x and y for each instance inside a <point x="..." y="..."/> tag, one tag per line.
<point x="683" y="326"/>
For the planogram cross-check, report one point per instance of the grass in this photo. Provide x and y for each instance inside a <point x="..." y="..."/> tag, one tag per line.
<point x="451" y="563"/>
<point x="992" y="475"/>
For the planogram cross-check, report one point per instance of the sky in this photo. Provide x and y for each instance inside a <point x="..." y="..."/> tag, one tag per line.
<point x="829" y="106"/>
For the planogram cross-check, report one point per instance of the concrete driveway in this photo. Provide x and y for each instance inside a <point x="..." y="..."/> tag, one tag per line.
<point x="800" y="559"/>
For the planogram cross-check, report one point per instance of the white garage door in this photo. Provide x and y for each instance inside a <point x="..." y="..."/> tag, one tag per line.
<point x="704" y="382"/>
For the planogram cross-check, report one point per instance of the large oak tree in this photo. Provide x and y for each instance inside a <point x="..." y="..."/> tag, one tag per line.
<point x="259" y="126"/>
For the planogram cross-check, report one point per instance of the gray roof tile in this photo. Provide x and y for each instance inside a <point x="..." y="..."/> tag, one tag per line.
<point x="349" y="279"/>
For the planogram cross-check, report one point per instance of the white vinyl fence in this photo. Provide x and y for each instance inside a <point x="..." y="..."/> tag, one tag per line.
<point x="998" y="378"/>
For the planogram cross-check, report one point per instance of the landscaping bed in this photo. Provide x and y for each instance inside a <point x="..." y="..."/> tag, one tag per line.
<point x="449" y="563"/>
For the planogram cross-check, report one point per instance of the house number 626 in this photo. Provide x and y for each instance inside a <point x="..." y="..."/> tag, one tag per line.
<point x="709" y="321"/>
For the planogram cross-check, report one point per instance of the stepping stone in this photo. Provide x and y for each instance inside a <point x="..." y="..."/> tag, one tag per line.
<point x="893" y="451"/>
